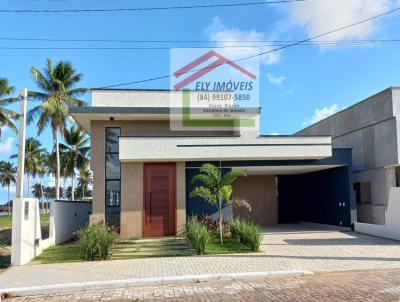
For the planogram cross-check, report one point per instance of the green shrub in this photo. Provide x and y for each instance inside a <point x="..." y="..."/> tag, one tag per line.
<point x="197" y="235"/>
<point x="3" y="248"/>
<point x="247" y="233"/>
<point x="95" y="241"/>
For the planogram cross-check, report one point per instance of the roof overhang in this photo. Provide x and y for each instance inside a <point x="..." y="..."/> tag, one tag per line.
<point x="284" y="169"/>
<point x="84" y="115"/>
<point x="147" y="149"/>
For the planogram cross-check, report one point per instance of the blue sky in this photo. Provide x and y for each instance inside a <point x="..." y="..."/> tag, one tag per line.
<point x="298" y="85"/>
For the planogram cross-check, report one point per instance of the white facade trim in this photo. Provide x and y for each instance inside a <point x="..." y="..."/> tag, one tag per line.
<point x="137" y="149"/>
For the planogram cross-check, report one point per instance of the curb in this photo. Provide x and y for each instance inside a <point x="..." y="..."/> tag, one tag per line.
<point x="78" y="286"/>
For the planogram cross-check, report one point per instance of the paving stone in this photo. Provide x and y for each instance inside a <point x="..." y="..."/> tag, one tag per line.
<point x="376" y="285"/>
<point x="288" y="247"/>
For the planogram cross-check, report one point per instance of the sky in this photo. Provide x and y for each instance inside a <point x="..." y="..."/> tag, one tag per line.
<point x="298" y="85"/>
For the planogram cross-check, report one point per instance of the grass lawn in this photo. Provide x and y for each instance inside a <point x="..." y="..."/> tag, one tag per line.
<point x="68" y="252"/>
<point x="141" y="248"/>
<point x="6" y="221"/>
<point x="230" y="246"/>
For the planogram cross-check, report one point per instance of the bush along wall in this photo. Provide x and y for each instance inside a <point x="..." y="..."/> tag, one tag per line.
<point x="247" y="233"/>
<point x="95" y="241"/>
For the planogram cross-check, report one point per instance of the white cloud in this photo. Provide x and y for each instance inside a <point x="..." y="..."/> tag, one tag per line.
<point x="6" y="147"/>
<point x="275" y="80"/>
<point x="322" y="16"/>
<point x="224" y="36"/>
<point x="274" y="133"/>
<point x="320" y="114"/>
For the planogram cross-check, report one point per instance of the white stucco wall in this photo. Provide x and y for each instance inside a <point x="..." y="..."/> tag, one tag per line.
<point x="391" y="228"/>
<point x="68" y="218"/>
<point x="136" y="149"/>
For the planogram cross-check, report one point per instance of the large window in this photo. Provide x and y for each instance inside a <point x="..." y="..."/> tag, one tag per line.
<point x="113" y="177"/>
<point x="363" y="191"/>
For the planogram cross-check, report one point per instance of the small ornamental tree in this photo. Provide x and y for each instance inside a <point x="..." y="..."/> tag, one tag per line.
<point x="215" y="187"/>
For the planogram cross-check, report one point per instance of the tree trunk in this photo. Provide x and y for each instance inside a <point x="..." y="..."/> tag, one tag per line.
<point x="58" y="164"/>
<point x="83" y="191"/>
<point x="64" y="186"/>
<point x="72" y="186"/>
<point x="41" y="195"/>
<point x="29" y="186"/>
<point x="9" y="202"/>
<point x="220" y="220"/>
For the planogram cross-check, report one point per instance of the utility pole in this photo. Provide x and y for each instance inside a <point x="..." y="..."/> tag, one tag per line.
<point x="21" y="145"/>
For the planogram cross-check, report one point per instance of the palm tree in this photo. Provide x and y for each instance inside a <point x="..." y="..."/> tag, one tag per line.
<point x="216" y="187"/>
<point x="50" y="193"/>
<point x="37" y="191"/>
<point x="75" y="152"/>
<point x="84" y="180"/>
<point x="33" y="158"/>
<point x="6" y="115"/>
<point x="7" y="177"/>
<point x="41" y="172"/>
<point x="57" y="92"/>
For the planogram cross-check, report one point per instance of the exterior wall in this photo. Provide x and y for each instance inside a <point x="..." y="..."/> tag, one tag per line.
<point x="261" y="193"/>
<point x="131" y="200"/>
<point x="98" y="148"/>
<point x="138" y="98"/>
<point x="68" y="217"/>
<point x="128" y="170"/>
<point x="180" y="198"/>
<point x="371" y="129"/>
<point x="131" y="176"/>
<point x="214" y="148"/>
<point x="391" y="228"/>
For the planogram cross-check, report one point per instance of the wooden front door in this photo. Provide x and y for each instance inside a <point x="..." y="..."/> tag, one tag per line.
<point x="159" y="200"/>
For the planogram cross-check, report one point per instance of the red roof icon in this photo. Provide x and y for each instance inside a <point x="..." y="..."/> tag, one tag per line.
<point x="201" y="72"/>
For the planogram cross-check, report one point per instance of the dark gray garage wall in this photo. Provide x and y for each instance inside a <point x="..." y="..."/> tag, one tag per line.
<point x="316" y="197"/>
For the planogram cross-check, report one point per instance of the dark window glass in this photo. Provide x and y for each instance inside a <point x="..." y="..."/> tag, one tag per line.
<point x="112" y="135"/>
<point x="113" y="168"/>
<point x="363" y="191"/>
<point x="113" y="193"/>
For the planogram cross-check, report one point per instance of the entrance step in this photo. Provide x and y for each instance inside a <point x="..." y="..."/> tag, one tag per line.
<point x="151" y="247"/>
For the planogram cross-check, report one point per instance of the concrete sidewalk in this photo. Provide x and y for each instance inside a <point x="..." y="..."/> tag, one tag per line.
<point x="286" y="248"/>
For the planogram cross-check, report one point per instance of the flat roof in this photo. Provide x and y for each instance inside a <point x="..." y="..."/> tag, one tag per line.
<point x="83" y="115"/>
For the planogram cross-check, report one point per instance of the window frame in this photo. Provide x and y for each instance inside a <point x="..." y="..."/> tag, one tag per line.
<point x="105" y="173"/>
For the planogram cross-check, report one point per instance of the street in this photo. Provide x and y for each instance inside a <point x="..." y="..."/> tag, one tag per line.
<point x="373" y="285"/>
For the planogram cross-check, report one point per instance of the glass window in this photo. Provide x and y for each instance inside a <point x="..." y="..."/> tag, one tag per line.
<point x="112" y="176"/>
<point x="113" y="167"/>
<point x="113" y="193"/>
<point x="363" y="191"/>
<point x="112" y="135"/>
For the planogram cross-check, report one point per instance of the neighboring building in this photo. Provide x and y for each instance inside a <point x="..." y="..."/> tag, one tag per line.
<point x="142" y="169"/>
<point x="371" y="128"/>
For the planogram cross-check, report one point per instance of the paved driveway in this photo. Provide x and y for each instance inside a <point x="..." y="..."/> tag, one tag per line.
<point x="288" y="247"/>
<point x="325" y="248"/>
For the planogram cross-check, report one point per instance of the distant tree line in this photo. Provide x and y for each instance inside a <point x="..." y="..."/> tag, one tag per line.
<point x="69" y="158"/>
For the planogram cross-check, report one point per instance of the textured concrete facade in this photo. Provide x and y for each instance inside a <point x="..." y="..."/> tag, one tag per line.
<point x="131" y="176"/>
<point x="261" y="193"/>
<point x="371" y="129"/>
